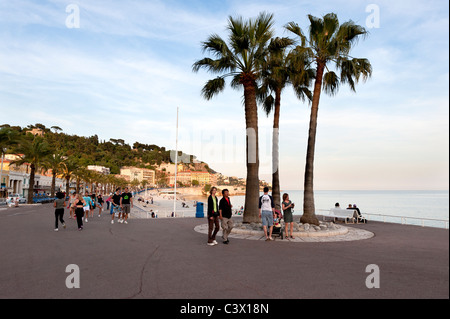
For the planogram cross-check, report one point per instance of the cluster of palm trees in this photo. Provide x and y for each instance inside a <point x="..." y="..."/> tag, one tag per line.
<point x="263" y="65"/>
<point x="40" y="157"/>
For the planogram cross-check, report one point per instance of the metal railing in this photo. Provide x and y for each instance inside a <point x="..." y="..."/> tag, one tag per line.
<point x="403" y="219"/>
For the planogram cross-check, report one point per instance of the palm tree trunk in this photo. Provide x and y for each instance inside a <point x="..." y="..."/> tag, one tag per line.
<point x="251" y="211"/>
<point x="67" y="185"/>
<point x="53" y="184"/>
<point x="31" y="187"/>
<point x="275" y="153"/>
<point x="309" y="214"/>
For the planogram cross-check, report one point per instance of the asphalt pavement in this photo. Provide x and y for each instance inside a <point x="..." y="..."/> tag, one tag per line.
<point x="167" y="259"/>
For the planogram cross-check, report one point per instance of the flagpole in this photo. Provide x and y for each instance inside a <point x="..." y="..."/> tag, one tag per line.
<point x="176" y="169"/>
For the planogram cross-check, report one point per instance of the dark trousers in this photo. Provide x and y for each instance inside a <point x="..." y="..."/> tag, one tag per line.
<point x="79" y="213"/>
<point x="213" y="228"/>
<point x="59" y="213"/>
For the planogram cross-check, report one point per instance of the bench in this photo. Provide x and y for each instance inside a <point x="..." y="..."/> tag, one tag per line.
<point x="346" y="214"/>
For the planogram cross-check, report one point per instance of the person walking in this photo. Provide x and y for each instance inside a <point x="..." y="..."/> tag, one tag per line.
<point x="266" y="212"/>
<point x="115" y="204"/>
<point x="72" y="199"/>
<point x="59" y="204"/>
<point x="93" y="204"/>
<point x="87" y="208"/>
<point x="213" y="216"/>
<point x="100" y="204"/>
<point x="108" y="200"/>
<point x="287" y="207"/>
<point x="126" y="201"/>
<point x="225" y="215"/>
<point x="79" y="205"/>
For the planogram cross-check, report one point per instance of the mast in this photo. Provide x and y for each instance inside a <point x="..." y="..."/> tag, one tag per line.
<point x="176" y="169"/>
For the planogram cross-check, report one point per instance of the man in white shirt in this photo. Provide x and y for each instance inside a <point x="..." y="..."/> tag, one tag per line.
<point x="266" y="211"/>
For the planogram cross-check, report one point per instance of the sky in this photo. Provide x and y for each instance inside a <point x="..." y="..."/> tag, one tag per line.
<point x="120" y="69"/>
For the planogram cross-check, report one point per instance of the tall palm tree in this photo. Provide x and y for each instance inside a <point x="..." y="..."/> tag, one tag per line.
<point x="241" y="59"/>
<point x="279" y="70"/>
<point x="68" y="169"/>
<point x="55" y="163"/>
<point x="328" y="43"/>
<point x="33" y="150"/>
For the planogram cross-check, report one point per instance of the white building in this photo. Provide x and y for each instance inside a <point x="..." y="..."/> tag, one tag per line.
<point x="101" y="169"/>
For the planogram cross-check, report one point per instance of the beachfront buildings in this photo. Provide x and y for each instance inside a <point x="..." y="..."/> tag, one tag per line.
<point x="139" y="174"/>
<point x="16" y="179"/>
<point x="190" y="178"/>
<point x="100" y="169"/>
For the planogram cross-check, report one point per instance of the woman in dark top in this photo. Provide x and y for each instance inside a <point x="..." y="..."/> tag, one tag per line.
<point x="79" y="211"/>
<point x="99" y="204"/>
<point x="287" y="206"/>
<point x="59" y="204"/>
<point x="213" y="217"/>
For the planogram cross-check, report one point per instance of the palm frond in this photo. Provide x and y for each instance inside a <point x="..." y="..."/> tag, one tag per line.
<point x="330" y="83"/>
<point x="213" y="87"/>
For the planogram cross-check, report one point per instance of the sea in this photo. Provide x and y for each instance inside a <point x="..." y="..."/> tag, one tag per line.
<point x="409" y="207"/>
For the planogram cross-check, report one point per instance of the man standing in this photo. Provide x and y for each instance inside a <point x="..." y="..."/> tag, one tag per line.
<point x="225" y="215"/>
<point x="266" y="211"/>
<point x="126" y="200"/>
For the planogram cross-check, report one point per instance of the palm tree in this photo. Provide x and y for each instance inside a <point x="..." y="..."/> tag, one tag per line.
<point x="68" y="169"/>
<point x="33" y="150"/>
<point x="281" y="69"/>
<point x="54" y="162"/>
<point x="328" y="43"/>
<point x="241" y="59"/>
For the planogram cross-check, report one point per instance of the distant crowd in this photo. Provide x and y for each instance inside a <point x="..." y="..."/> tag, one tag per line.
<point x="81" y="207"/>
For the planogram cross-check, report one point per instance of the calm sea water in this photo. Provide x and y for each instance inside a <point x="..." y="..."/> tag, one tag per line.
<point x="421" y="204"/>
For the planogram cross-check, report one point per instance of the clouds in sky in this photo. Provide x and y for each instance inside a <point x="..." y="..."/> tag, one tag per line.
<point x="129" y="65"/>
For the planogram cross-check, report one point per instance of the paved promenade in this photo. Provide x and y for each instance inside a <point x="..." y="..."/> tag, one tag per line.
<point x="166" y="258"/>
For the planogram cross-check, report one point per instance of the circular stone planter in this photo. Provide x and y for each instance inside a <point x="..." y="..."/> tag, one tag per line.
<point x="326" y="232"/>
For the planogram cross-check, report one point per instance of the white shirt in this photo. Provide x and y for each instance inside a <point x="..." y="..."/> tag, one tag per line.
<point x="266" y="202"/>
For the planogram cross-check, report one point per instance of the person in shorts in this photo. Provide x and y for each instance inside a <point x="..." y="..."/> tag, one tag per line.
<point x="126" y="201"/>
<point x="115" y="204"/>
<point x="87" y="207"/>
<point x="266" y="213"/>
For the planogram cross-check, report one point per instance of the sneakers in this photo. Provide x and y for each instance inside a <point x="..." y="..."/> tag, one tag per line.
<point x="64" y="225"/>
<point x="211" y="244"/>
<point x="112" y="221"/>
<point x="56" y="229"/>
<point x="125" y="222"/>
<point x="215" y="242"/>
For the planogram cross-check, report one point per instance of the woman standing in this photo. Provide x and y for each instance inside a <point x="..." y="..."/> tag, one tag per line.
<point x="287" y="206"/>
<point x="79" y="210"/>
<point x="59" y="204"/>
<point x="213" y="217"/>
